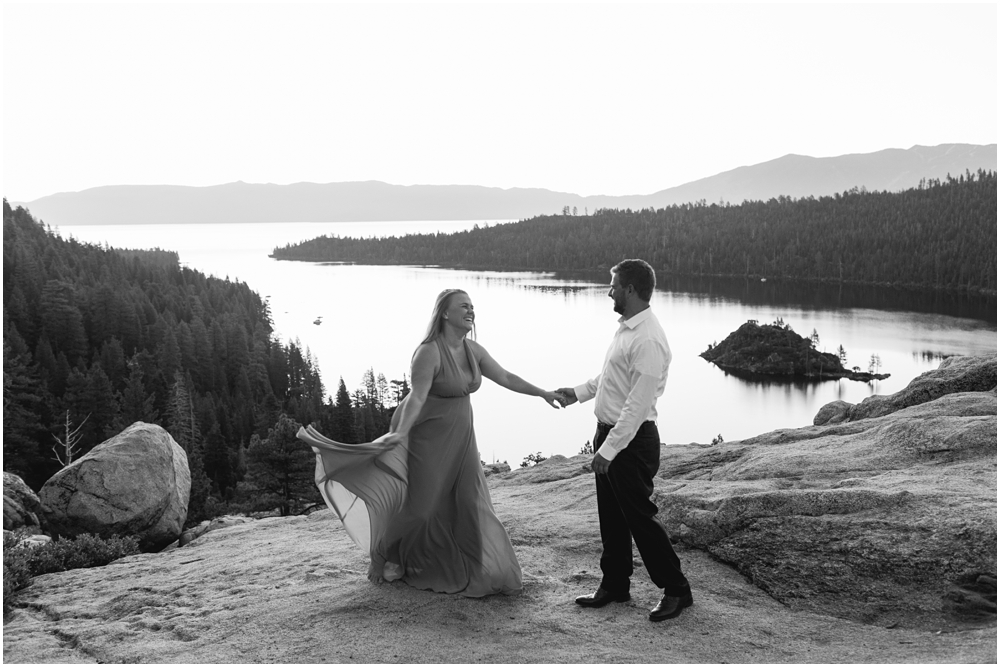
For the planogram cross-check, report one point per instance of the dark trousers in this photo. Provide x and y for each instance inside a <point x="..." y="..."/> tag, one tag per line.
<point x="626" y="512"/>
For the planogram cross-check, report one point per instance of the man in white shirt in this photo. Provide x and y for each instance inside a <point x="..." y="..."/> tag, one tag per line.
<point x="627" y="447"/>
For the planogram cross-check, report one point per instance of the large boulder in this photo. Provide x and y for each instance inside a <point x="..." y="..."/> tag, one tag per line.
<point x="137" y="483"/>
<point x="20" y="505"/>
<point x="833" y="413"/>
<point x="887" y="519"/>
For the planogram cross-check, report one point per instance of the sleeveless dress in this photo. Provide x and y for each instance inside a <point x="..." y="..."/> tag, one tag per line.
<point x="422" y="509"/>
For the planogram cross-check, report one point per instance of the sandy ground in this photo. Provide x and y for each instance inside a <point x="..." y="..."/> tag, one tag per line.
<point x="294" y="591"/>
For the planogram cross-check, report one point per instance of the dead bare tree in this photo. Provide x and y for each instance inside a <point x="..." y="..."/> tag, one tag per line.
<point x="68" y="443"/>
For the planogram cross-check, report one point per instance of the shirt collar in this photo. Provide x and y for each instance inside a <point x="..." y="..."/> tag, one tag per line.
<point x="636" y="319"/>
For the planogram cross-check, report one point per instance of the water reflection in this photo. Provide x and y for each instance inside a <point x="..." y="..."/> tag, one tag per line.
<point x="931" y="357"/>
<point x="799" y="383"/>
<point x="820" y="295"/>
<point x="564" y="290"/>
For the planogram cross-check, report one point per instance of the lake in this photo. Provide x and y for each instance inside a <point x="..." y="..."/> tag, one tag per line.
<point x="553" y="330"/>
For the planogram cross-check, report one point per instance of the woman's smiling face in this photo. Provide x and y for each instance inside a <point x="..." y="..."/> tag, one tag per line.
<point x="461" y="313"/>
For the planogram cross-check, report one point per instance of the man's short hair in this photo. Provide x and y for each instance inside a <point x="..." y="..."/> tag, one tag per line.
<point x="638" y="274"/>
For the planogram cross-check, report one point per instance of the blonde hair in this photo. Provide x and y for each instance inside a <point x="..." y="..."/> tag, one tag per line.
<point x="436" y="326"/>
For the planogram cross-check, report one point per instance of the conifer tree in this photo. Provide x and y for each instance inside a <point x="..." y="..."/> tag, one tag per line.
<point x="136" y="404"/>
<point x="112" y="360"/>
<point x="57" y="383"/>
<point x="240" y="462"/>
<point x="22" y="400"/>
<point x="364" y="423"/>
<point x="62" y="319"/>
<point x="267" y="414"/>
<point x="217" y="464"/>
<point x="103" y="406"/>
<point x="45" y="359"/>
<point x="400" y="389"/>
<point x="169" y="354"/>
<point x="282" y="468"/>
<point x="182" y="424"/>
<point x="201" y="486"/>
<point x="342" y="417"/>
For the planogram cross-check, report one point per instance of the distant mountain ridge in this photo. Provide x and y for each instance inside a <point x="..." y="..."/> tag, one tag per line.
<point x="792" y="175"/>
<point x="797" y="176"/>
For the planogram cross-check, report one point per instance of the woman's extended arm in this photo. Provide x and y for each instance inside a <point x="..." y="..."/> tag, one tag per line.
<point x="425" y="365"/>
<point x="494" y="371"/>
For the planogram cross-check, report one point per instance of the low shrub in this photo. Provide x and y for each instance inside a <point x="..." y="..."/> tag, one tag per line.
<point x="16" y="573"/>
<point x="532" y="459"/>
<point x="82" y="551"/>
<point x="21" y="562"/>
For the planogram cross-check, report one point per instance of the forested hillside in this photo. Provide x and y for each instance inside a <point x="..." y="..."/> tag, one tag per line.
<point x="942" y="234"/>
<point x="96" y="338"/>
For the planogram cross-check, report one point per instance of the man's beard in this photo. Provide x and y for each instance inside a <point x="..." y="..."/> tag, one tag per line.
<point x="619" y="305"/>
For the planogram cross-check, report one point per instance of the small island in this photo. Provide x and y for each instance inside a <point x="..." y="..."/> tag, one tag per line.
<point x="774" y="350"/>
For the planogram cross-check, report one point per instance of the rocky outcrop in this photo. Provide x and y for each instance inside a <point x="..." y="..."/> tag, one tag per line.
<point x="955" y="375"/>
<point x="879" y="517"/>
<point x="294" y="590"/>
<point x="193" y="533"/>
<point x="496" y="468"/>
<point x="20" y="505"/>
<point x="137" y="483"/>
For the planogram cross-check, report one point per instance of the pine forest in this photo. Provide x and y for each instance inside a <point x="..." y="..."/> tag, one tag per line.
<point x="941" y="235"/>
<point x="95" y="339"/>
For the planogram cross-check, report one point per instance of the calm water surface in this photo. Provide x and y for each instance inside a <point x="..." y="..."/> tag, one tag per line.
<point x="553" y="330"/>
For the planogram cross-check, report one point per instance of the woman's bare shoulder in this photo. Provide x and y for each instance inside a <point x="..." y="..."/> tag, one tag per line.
<point x="427" y="353"/>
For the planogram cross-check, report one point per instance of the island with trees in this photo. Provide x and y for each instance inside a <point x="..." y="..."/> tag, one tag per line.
<point x="776" y="351"/>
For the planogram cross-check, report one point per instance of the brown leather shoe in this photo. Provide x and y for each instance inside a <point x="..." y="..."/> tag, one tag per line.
<point x="670" y="606"/>
<point x="601" y="597"/>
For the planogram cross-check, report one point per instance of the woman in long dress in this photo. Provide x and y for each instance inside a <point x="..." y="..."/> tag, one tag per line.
<point x="416" y="498"/>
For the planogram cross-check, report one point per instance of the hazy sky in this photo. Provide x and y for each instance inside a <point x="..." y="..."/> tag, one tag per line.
<point x="589" y="99"/>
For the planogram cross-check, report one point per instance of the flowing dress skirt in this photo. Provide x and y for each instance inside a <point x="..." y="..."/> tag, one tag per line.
<point x="422" y="510"/>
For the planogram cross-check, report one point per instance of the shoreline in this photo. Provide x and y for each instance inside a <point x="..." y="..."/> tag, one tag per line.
<point x="908" y="287"/>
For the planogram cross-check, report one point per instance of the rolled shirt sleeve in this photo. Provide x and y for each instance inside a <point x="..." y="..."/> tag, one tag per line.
<point x="587" y="390"/>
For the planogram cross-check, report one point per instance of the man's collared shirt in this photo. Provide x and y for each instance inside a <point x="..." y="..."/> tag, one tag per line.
<point x="633" y="377"/>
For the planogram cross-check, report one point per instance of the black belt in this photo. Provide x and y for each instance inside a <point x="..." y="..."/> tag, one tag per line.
<point x="601" y="426"/>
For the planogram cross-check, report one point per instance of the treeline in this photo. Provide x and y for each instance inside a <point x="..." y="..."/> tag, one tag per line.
<point x="96" y="338"/>
<point x="942" y="234"/>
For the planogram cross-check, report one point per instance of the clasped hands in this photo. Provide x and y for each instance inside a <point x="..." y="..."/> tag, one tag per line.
<point x="560" y="398"/>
